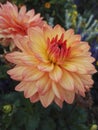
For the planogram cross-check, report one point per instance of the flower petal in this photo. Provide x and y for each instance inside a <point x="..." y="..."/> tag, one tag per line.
<point x="47" y="67"/>
<point x="58" y="102"/>
<point x="20" y="86"/>
<point x="34" y="98"/>
<point x="69" y="96"/>
<point x="43" y="84"/>
<point x="56" y="73"/>
<point x="32" y="74"/>
<point x="47" y="98"/>
<point x="30" y="89"/>
<point x="16" y="73"/>
<point x="79" y="86"/>
<point x="67" y="81"/>
<point x="58" y="91"/>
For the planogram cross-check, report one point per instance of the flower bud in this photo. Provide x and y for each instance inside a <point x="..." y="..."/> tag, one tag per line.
<point x="7" y="108"/>
<point x="94" y="127"/>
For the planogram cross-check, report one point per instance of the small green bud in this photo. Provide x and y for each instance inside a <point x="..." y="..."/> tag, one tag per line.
<point x="94" y="127"/>
<point x="7" y="108"/>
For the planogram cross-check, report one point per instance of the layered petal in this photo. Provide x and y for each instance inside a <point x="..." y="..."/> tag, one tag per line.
<point x="15" y="21"/>
<point x="53" y="65"/>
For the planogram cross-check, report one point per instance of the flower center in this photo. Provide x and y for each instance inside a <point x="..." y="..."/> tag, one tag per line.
<point x="57" y="49"/>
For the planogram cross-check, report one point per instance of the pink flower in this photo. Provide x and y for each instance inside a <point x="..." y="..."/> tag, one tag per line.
<point x="14" y="22"/>
<point x="53" y="65"/>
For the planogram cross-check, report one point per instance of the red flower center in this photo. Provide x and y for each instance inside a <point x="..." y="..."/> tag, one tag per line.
<point x="57" y="49"/>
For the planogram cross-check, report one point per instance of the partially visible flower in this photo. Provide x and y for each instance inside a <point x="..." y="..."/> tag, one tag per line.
<point x="47" y="5"/>
<point x="14" y="21"/>
<point x="53" y="65"/>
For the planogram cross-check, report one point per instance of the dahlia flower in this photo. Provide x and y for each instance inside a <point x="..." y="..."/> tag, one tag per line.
<point x="52" y="66"/>
<point x="14" y="21"/>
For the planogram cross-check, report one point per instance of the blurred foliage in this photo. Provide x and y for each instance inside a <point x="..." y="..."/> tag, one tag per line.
<point x="16" y="112"/>
<point x="90" y="6"/>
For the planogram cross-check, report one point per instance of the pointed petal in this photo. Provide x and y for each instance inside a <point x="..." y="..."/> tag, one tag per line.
<point x="22" y="10"/>
<point x="57" y="30"/>
<point x="69" y="96"/>
<point x="20" y="87"/>
<point x="79" y="86"/>
<point x="30" y="90"/>
<point x="15" y="57"/>
<point x="56" y="73"/>
<point x="43" y="84"/>
<point x="34" y="98"/>
<point x="56" y="90"/>
<point x="58" y="102"/>
<point x="68" y="34"/>
<point x="67" y="81"/>
<point x="16" y="73"/>
<point x="74" y="38"/>
<point x="47" y="99"/>
<point x="32" y="74"/>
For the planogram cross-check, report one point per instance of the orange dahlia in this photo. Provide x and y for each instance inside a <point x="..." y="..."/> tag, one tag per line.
<point x="53" y="65"/>
<point x="14" y="21"/>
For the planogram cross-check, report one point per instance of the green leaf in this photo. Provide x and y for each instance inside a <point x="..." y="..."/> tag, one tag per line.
<point x="33" y="121"/>
<point x="3" y="70"/>
<point x="48" y="124"/>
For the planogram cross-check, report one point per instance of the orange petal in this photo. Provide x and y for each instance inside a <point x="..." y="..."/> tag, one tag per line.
<point x="47" y="67"/>
<point x="73" y="38"/>
<point x="79" y="86"/>
<point x="58" y="102"/>
<point x="43" y="84"/>
<point x="34" y="98"/>
<point x="32" y="74"/>
<point x="56" y="73"/>
<point x="47" y="31"/>
<point x="56" y="90"/>
<point x="20" y="86"/>
<point x="57" y="30"/>
<point x="30" y="89"/>
<point x="16" y="73"/>
<point x="29" y="60"/>
<point x="69" y="66"/>
<point x="68" y="34"/>
<point x="47" y="99"/>
<point x="67" y="81"/>
<point x="22" y="10"/>
<point x="22" y="43"/>
<point x="69" y="96"/>
<point x="15" y="57"/>
<point x="38" y="44"/>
